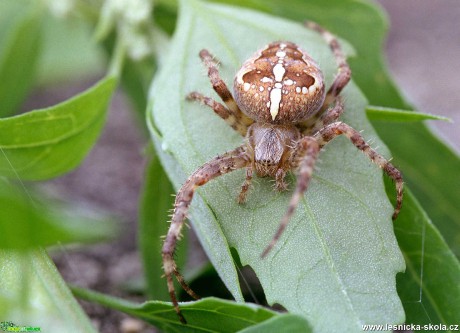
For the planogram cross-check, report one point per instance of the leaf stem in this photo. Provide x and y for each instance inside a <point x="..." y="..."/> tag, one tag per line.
<point x="118" y="58"/>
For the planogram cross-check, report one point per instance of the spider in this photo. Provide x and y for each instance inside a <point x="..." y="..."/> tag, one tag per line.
<point x="281" y="107"/>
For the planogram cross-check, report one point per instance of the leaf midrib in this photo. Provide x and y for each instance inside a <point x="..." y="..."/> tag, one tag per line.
<point x="58" y="139"/>
<point x="328" y="256"/>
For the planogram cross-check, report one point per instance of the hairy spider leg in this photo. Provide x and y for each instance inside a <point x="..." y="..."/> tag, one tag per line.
<point x="245" y="187"/>
<point x="303" y="159"/>
<point x="331" y="115"/>
<point x="218" y="166"/>
<point x="343" y="74"/>
<point x="280" y="184"/>
<point x="221" y="88"/>
<point x="221" y="111"/>
<point x="333" y="130"/>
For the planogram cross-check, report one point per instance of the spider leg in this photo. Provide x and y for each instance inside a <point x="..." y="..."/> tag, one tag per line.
<point x="338" y="128"/>
<point x="280" y="184"/>
<point x="221" y="111"/>
<point x="221" y="88"/>
<point x="331" y="115"/>
<point x="218" y="166"/>
<point x="303" y="159"/>
<point x="344" y="71"/>
<point x="341" y="80"/>
<point x="245" y="187"/>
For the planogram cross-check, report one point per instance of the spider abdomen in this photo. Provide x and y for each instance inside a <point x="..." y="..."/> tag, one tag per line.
<point x="280" y="84"/>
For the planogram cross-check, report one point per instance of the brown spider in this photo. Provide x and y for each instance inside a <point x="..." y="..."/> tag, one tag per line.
<point x="282" y="108"/>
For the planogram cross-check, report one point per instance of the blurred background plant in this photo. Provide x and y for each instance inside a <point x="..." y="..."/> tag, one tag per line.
<point x="47" y="45"/>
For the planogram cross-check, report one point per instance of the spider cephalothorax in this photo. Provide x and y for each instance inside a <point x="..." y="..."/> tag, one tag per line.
<point x="282" y="108"/>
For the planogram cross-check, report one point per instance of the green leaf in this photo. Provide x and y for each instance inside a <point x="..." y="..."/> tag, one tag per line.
<point x="362" y="23"/>
<point x="32" y="293"/>
<point x="165" y="15"/>
<point x="135" y="83"/>
<point x="11" y="12"/>
<point x="206" y="315"/>
<point x="69" y="51"/>
<point x="339" y="251"/>
<point x="213" y="239"/>
<point x="431" y="170"/>
<point x="434" y="180"/>
<point x="26" y="223"/>
<point x="379" y="113"/>
<point x="429" y="289"/>
<point x="137" y="75"/>
<point x="283" y="323"/>
<point x="19" y="54"/>
<point x="46" y="143"/>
